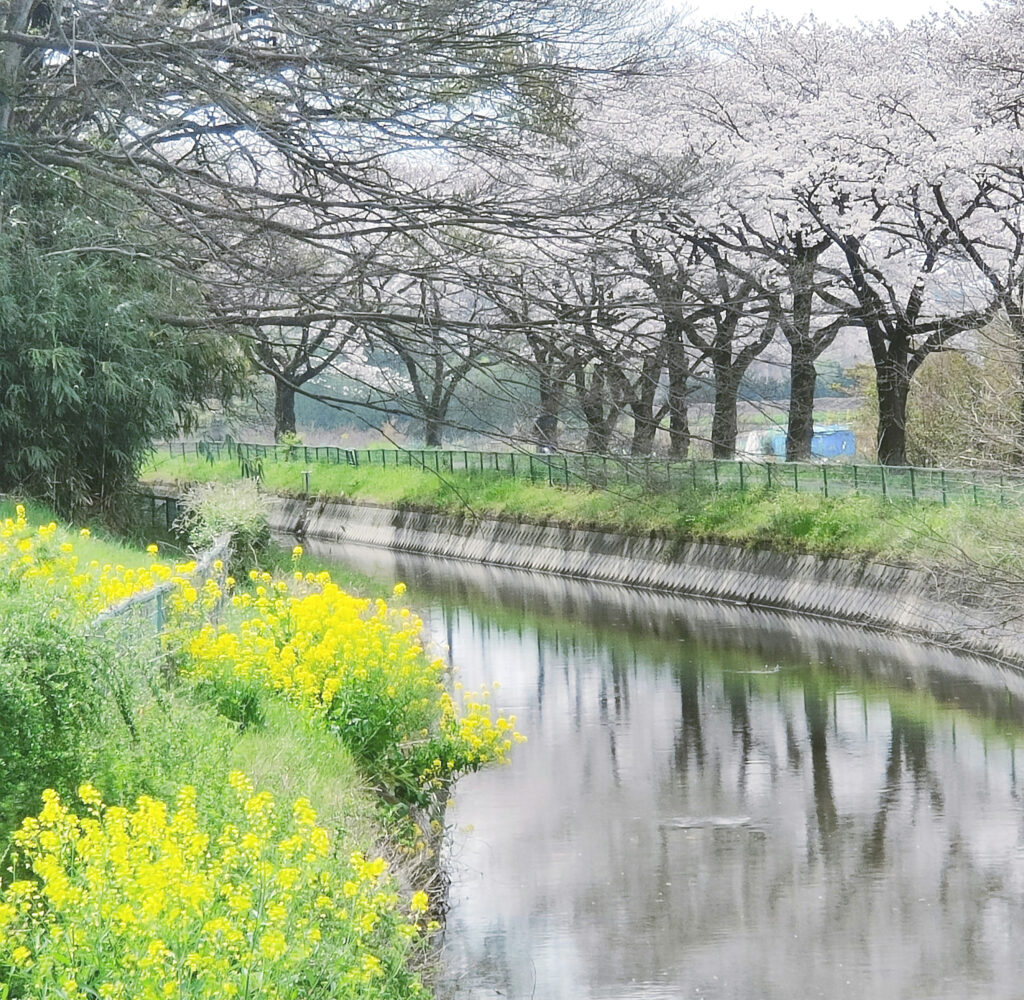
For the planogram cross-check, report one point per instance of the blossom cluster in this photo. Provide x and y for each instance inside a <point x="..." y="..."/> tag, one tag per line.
<point x="44" y="556"/>
<point x="360" y="665"/>
<point x="144" y="903"/>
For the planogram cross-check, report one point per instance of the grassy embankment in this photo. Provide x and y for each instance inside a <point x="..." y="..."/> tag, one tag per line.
<point x="986" y="536"/>
<point x="216" y="801"/>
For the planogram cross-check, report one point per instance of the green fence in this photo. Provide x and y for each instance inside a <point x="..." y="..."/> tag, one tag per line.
<point x="977" y="486"/>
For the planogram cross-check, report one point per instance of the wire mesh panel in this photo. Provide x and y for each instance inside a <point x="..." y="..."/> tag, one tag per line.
<point x="658" y="474"/>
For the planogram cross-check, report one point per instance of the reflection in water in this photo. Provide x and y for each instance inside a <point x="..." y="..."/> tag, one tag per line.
<point x="722" y="803"/>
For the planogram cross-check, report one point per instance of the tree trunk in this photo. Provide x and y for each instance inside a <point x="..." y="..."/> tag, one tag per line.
<point x="546" y="424"/>
<point x="433" y="428"/>
<point x="645" y="425"/>
<point x="678" y="418"/>
<point x="592" y="406"/>
<point x="723" y="423"/>
<point x="893" y="385"/>
<point x="284" y="409"/>
<point x="800" y="428"/>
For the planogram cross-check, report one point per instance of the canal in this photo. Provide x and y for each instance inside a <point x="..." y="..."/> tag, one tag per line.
<point x="723" y="803"/>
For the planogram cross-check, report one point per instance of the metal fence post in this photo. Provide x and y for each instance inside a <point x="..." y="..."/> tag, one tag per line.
<point x="942" y="481"/>
<point x="824" y="480"/>
<point x="913" y="486"/>
<point x="742" y="484"/>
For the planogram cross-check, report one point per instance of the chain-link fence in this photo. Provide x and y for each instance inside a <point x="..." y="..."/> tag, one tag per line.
<point x="976" y="486"/>
<point x="137" y="630"/>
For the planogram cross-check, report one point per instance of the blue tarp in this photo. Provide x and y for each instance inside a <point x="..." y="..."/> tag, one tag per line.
<point x="828" y="442"/>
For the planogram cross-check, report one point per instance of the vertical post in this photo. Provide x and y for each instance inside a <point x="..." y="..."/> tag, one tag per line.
<point x="693" y="472"/>
<point x="855" y="489"/>
<point x="974" y="487"/>
<point x="437" y="467"/>
<point x="565" y="467"/>
<point x="768" y="469"/>
<point x="796" y="477"/>
<point x="824" y="480"/>
<point x="743" y="486"/>
<point x="942" y="483"/>
<point x="547" y="462"/>
<point x="531" y="467"/>
<point x="714" y="463"/>
<point x="513" y="465"/>
<point x="305" y="476"/>
<point x="885" y="491"/>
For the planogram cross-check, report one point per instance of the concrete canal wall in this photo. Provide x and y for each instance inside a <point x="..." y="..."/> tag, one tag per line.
<point x="908" y="601"/>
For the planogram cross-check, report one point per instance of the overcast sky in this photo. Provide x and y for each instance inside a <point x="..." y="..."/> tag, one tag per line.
<point x="849" y="11"/>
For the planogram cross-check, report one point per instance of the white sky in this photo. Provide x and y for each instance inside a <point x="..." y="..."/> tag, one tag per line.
<point x="848" y="11"/>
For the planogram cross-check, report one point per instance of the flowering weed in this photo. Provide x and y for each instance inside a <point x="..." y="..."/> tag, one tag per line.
<point x="146" y="903"/>
<point x="361" y="667"/>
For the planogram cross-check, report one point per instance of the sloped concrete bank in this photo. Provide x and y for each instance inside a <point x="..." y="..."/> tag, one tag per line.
<point x="908" y="601"/>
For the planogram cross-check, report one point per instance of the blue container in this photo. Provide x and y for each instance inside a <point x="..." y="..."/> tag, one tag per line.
<point x="829" y="441"/>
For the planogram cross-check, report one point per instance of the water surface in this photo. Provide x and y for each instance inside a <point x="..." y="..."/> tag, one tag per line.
<point x="716" y="802"/>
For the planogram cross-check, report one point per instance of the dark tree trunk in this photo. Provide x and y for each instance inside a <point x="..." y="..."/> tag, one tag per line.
<point x="592" y="405"/>
<point x="284" y="409"/>
<point x="679" y="433"/>
<point x="893" y="383"/>
<point x="546" y="423"/>
<point x="678" y="418"/>
<point x="723" y="423"/>
<point x="645" y="425"/>
<point x="800" y="428"/>
<point x="433" y="428"/>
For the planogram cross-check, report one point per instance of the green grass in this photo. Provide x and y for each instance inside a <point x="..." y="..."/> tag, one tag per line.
<point x="851" y="525"/>
<point x="102" y="545"/>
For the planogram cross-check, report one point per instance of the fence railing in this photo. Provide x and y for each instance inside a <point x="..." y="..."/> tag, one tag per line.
<point x="976" y="486"/>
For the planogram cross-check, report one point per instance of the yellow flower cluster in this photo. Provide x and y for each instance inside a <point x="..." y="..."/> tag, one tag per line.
<point x="361" y="666"/>
<point x="143" y="903"/>
<point x="31" y="555"/>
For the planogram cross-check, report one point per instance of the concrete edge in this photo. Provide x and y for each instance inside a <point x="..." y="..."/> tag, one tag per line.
<point x="893" y="598"/>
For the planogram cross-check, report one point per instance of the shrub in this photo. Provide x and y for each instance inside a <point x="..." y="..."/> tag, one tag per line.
<point x="209" y="510"/>
<point x="50" y="707"/>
